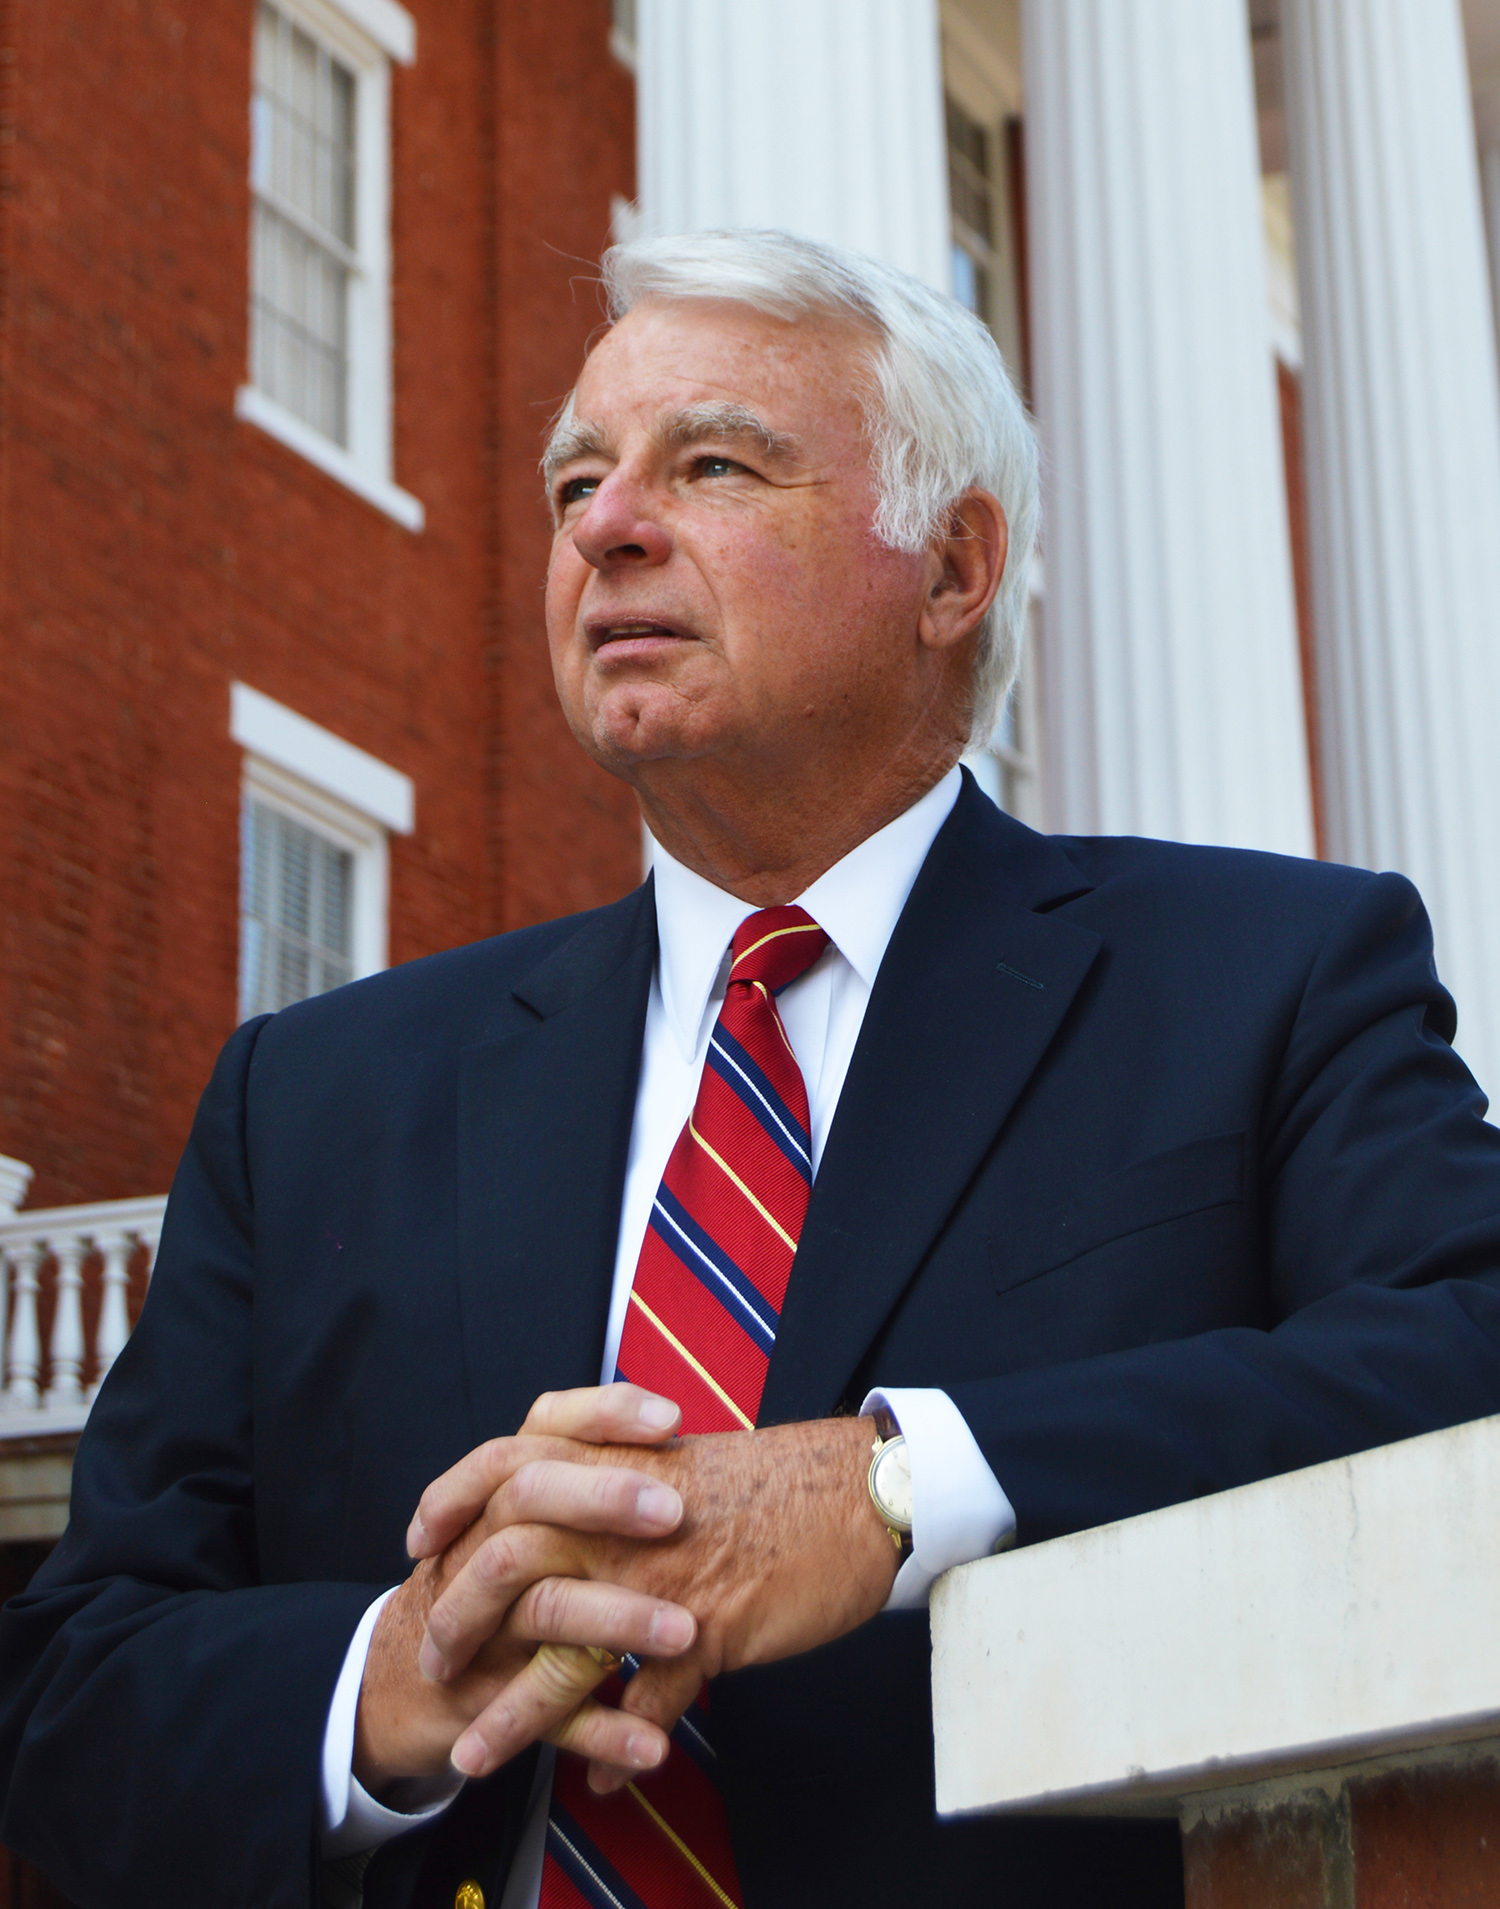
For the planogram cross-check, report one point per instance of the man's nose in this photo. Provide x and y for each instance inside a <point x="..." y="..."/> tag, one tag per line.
<point x="621" y="526"/>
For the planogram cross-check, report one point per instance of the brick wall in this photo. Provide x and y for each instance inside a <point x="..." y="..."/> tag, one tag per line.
<point x="153" y="549"/>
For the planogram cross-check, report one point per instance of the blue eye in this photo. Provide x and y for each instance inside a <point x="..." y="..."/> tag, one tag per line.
<point x="576" y="489"/>
<point x="717" y="466"/>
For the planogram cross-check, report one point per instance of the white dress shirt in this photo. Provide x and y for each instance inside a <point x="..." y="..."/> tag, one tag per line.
<point x="959" y="1510"/>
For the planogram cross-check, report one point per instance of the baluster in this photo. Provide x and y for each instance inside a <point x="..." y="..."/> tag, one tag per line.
<point x="67" y="1347"/>
<point x="114" y="1309"/>
<point x="25" y="1351"/>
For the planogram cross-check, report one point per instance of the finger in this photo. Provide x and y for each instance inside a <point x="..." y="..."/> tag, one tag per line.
<point x="554" y="1491"/>
<point x="658" y="1694"/>
<point x="557" y="1498"/>
<point x="578" y="1610"/>
<point x="616" y="1743"/>
<point x="605" y="1415"/>
<point x="539" y="1701"/>
<point x="475" y="1604"/>
<point x="546" y="1496"/>
<point x="452" y="1502"/>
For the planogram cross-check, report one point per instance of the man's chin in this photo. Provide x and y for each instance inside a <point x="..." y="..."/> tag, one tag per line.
<point x="626" y="732"/>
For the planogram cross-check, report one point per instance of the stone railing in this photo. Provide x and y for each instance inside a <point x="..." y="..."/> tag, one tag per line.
<point x="66" y="1278"/>
<point x="1305" y="1672"/>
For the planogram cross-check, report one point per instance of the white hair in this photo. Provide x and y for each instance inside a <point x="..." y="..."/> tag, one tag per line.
<point x="942" y="414"/>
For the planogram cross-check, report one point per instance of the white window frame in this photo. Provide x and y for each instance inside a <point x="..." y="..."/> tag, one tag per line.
<point x="347" y="795"/>
<point x="365" y="36"/>
<point x="624" y="31"/>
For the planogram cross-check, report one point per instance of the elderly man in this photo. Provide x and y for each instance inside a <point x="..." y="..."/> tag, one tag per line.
<point x="917" y="1184"/>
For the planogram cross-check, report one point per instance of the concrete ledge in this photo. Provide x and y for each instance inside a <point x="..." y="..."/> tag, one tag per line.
<point x="35" y="1477"/>
<point x="1300" y="1624"/>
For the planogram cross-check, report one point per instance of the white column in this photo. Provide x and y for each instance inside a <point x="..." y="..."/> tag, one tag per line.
<point x="1173" y="697"/>
<point x="821" y="116"/>
<point x="1403" y="447"/>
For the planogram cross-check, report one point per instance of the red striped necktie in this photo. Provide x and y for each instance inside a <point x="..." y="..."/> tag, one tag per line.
<point x="699" y="1329"/>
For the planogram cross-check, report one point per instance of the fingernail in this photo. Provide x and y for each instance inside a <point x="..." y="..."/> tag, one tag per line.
<point x="416" y="1537"/>
<point x="644" y="1752"/>
<point x="658" y="1414"/>
<point x="431" y="1662"/>
<point x="671" y="1630"/>
<point x="469" y="1756"/>
<point x="658" y="1505"/>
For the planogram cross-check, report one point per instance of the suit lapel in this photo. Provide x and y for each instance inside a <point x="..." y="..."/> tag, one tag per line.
<point x="544" y="1132"/>
<point x="972" y="990"/>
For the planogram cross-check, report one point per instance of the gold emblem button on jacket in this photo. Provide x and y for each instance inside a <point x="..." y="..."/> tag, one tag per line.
<point x="470" y="1896"/>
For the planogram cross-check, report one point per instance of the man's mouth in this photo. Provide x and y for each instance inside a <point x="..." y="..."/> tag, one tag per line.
<point x="634" y="630"/>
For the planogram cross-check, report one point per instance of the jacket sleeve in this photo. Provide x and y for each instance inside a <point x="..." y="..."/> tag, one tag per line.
<point x="1379" y="1212"/>
<point x="162" y="1709"/>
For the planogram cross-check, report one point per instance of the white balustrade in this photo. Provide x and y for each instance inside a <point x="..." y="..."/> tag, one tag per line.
<point x="87" y="1247"/>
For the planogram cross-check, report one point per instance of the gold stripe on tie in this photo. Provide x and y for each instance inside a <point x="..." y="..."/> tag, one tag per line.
<point x="724" y="1166"/>
<point x="667" y="1830"/>
<point x="707" y="1377"/>
<point x="765" y="992"/>
<point x="797" y="928"/>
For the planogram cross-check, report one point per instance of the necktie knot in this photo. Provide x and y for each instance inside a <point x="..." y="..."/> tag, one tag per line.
<point x="774" y="946"/>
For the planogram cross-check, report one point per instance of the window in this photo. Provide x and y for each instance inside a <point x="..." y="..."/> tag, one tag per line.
<point x="970" y="197"/>
<point x="983" y="277"/>
<point x="296" y="909"/>
<point x="305" y="257"/>
<point x="320" y="331"/>
<point x="315" y="821"/>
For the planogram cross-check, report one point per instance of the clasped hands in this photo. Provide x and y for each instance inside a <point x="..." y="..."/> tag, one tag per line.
<point x="597" y="1525"/>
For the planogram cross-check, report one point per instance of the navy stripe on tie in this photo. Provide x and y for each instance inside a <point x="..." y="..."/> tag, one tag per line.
<point x="591" y="1873"/>
<point x="738" y="1071"/>
<point x="702" y="1255"/>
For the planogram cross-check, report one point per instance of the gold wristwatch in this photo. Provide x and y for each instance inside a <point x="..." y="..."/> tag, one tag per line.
<point x="889" y="1482"/>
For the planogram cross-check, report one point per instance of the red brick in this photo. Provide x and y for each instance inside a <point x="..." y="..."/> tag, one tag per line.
<point x="153" y="549"/>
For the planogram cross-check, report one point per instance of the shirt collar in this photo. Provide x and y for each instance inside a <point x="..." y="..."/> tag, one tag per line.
<point x="856" y="902"/>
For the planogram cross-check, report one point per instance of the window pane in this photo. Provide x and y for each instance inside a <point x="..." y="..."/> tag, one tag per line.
<point x="297" y="890"/>
<point x="304" y="105"/>
<point x="299" y="325"/>
<point x="302" y="162"/>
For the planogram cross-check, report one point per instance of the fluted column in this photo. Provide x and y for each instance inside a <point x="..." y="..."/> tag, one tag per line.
<point x="1172" y="685"/>
<point x="821" y="116"/>
<point x="1403" y="448"/>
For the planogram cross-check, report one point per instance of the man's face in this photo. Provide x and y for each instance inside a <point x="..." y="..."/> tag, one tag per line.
<point x="716" y="590"/>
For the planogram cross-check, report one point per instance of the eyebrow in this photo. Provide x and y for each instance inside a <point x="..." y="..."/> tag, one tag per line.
<point x="729" y="422"/>
<point x="582" y="437"/>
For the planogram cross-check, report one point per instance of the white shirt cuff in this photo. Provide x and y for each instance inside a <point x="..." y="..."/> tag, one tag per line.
<point x="352" y="1820"/>
<point x="959" y="1512"/>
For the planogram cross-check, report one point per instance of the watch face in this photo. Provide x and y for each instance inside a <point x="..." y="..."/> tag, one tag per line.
<point x="891" y="1479"/>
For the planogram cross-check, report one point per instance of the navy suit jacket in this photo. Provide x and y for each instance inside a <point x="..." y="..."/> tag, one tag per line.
<point x="1156" y="1158"/>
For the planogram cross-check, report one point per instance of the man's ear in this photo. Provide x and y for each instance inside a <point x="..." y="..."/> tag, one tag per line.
<point x="968" y="563"/>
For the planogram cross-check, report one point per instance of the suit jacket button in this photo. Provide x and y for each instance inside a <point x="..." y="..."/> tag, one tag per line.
<point x="470" y="1896"/>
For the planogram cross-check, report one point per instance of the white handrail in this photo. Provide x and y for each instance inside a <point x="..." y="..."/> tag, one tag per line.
<point x="89" y="1247"/>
